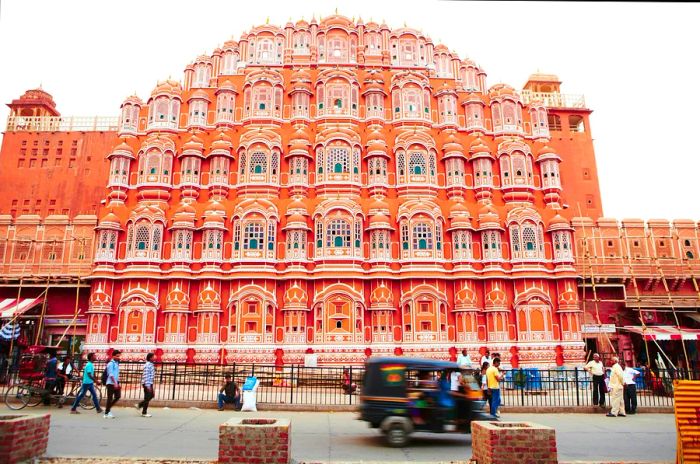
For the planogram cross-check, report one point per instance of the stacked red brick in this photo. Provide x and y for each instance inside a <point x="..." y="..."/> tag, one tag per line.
<point x="23" y="437"/>
<point x="511" y="442"/>
<point x="255" y="441"/>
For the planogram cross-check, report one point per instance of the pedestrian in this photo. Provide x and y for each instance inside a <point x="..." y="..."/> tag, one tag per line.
<point x="65" y="374"/>
<point x="493" y="380"/>
<point x="149" y="373"/>
<point x="617" y="384"/>
<point x="229" y="393"/>
<point x="464" y="361"/>
<point x="596" y="369"/>
<point x="113" y="387"/>
<point x="484" y="384"/>
<point x="455" y="380"/>
<point x="50" y="377"/>
<point x="486" y="357"/>
<point x="89" y="382"/>
<point x="630" y="393"/>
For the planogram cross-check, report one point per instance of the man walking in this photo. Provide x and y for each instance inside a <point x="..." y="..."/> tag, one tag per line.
<point x="617" y="383"/>
<point x="595" y="368"/>
<point x="89" y="382"/>
<point x="493" y="379"/>
<point x="149" y="373"/>
<point x="112" y="383"/>
<point x="630" y="392"/>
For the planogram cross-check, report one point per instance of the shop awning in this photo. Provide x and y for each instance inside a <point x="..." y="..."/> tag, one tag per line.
<point x="10" y="331"/>
<point x="12" y="307"/>
<point x="664" y="332"/>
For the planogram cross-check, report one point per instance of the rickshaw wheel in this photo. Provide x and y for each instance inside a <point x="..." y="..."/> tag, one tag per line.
<point x="396" y="436"/>
<point x="87" y="403"/>
<point x="17" y="397"/>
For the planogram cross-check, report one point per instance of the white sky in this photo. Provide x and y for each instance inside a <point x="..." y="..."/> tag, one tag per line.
<point x="637" y="65"/>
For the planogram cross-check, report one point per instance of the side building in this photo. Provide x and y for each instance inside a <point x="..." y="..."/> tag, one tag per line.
<point x="52" y="175"/>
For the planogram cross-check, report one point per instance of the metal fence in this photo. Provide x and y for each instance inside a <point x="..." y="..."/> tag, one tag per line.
<point x="299" y="385"/>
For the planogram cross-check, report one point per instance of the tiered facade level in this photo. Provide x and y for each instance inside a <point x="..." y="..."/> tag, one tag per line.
<point x="346" y="189"/>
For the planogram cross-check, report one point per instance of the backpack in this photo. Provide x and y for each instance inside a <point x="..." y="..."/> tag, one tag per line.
<point x="105" y="376"/>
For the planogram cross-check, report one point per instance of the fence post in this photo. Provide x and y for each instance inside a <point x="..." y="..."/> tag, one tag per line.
<point x="522" y="390"/>
<point x="291" y="386"/>
<point x="578" y="400"/>
<point x="174" y="380"/>
<point x="350" y="389"/>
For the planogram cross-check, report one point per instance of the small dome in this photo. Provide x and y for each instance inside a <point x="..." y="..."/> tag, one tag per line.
<point x="209" y="299"/>
<point x="295" y="298"/>
<point x="300" y="75"/>
<point x="568" y="299"/>
<point x="168" y="87"/>
<point x="380" y="220"/>
<point x="496" y="298"/>
<point x="452" y="145"/>
<point x="478" y="146"/>
<point x="558" y="223"/>
<point x="193" y="144"/>
<point x="110" y="217"/>
<point x="124" y="148"/>
<point x="185" y="208"/>
<point x="199" y="95"/>
<point x="500" y="90"/>
<point x="227" y="85"/>
<point x="222" y="143"/>
<point x="465" y="298"/>
<point x="381" y="297"/>
<point x="297" y="204"/>
<point x="177" y="299"/>
<point x="100" y="300"/>
<point x="379" y="204"/>
<point x="296" y="217"/>
<point x="132" y="100"/>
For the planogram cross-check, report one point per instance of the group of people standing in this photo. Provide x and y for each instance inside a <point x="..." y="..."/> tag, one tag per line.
<point x="491" y="377"/>
<point x="621" y="384"/>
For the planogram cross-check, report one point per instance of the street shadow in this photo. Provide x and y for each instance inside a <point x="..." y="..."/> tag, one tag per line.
<point x="418" y="440"/>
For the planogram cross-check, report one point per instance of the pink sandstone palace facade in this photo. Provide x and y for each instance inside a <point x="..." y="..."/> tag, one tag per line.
<point x="341" y="188"/>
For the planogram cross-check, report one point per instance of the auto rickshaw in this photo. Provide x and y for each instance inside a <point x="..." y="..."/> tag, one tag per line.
<point x="405" y="395"/>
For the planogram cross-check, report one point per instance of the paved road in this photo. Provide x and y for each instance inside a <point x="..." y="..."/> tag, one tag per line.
<point x="338" y="437"/>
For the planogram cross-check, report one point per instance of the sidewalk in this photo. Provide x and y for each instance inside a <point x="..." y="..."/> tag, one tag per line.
<point x="337" y="437"/>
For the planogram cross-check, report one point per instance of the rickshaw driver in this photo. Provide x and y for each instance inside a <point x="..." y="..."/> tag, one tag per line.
<point x="50" y="375"/>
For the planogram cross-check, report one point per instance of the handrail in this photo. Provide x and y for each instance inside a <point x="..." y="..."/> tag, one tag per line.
<point x="62" y="123"/>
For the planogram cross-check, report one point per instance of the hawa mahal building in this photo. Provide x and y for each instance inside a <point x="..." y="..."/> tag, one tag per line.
<point x="330" y="187"/>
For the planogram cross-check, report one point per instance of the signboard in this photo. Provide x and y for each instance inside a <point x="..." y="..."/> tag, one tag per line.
<point x="597" y="328"/>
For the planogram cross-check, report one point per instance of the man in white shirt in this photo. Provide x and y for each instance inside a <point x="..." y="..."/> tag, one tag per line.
<point x="617" y="384"/>
<point x="630" y="393"/>
<point x="464" y="361"/>
<point x="486" y="358"/>
<point x="595" y="368"/>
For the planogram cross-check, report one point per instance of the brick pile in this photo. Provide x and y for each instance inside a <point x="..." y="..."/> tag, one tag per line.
<point x="513" y="442"/>
<point x="23" y="437"/>
<point x="255" y="441"/>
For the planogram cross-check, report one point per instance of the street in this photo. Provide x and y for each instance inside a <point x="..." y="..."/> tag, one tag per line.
<point x="338" y="437"/>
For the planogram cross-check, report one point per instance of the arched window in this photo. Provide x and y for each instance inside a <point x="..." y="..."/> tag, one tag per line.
<point x="253" y="236"/>
<point x="373" y="41"/>
<point x="338" y="161"/>
<point x="422" y="236"/>
<point x="198" y="113"/>
<point x="301" y="41"/>
<point x="225" y="104"/>
<point x="483" y="176"/>
<point x="218" y="170"/>
<point x="212" y="244"/>
<point x="379" y="245"/>
<point x="416" y="164"/>
<point x="408" y="52"/>
<point x="119" y="171"/>
<point x="182" y="245"/>
<point x="229" y="63"/>
<point x="298" y="170"/>
<point x="190" y="167"/>
<point x="455" y="171"/>
<point x="202" y="74"/>
<point x="144" y="240"/>
<point x="338" y="234"/>
<point x="107" y="243"/>
<point x="462" y="244"/>
<point x="491" y="244"/>
<point x="550" y="174"/>
<point x="377" y="170"/>
<point x="475" y="116"/>
<point x="562" y="246"/>
<point x="337" y="49"/>
<point x="264" y="52"/>
<point x="258" y="163"/>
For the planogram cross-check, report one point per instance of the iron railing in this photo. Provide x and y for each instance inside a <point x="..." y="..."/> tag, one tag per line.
<point x="299" y="385"/>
